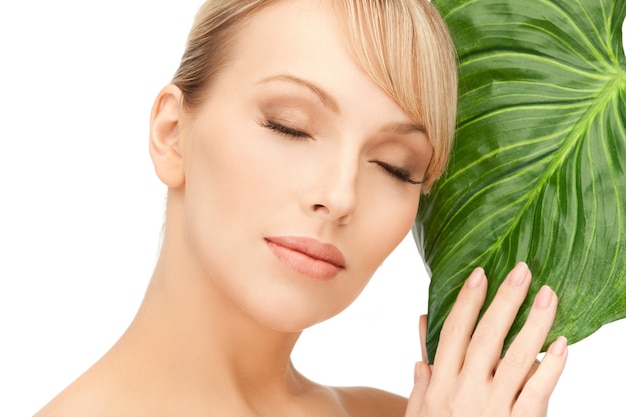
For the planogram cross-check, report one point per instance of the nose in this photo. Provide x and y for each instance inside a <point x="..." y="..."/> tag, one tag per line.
<point x="332" y="195"/>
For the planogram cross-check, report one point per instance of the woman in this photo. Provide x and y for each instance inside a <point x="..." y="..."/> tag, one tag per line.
<point x="295" y="141"/>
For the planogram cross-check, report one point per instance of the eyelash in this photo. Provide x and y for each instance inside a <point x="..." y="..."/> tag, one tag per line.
<point x="284" y="130"/>
<point x="397" y="173"/>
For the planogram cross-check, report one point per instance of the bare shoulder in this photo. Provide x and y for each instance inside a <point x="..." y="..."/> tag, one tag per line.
<point x="66" y="404"/>
<point x="90" y="394"/>
<point x="371" y="402"/>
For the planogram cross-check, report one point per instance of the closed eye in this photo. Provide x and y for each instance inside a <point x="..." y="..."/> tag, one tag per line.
<point x="398" y="173"/>
<point x="284" y="130"/>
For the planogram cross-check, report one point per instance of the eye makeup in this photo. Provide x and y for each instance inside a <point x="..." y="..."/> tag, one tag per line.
<point x="290" y="115"/>
<point x="282" y="129"/>
<point x="399" y="149"/>
<point x="403" y="156"/>
<point x="399" y="173"/>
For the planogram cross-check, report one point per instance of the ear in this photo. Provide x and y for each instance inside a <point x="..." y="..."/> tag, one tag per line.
<point x="165" y="137"/>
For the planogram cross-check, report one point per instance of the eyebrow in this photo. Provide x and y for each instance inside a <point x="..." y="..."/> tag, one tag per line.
<point x="326" y="99"/>
<point x="404" y="128"/>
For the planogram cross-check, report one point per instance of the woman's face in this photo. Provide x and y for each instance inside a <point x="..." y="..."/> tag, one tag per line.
<point x="296" y="149"/>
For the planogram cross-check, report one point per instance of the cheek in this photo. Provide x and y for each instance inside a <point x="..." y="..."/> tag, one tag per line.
<point x="230" y="170"/>
<point x="384" y="224"/>
<point x="389" y="219"/>
<point x="236" y="184"/>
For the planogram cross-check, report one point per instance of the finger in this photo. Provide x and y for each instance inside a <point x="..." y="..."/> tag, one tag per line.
<point x="533" y="400"/>
<point x="423" y="328"/>
<point x="532" y="371"/>
<point x="457" y="330"/>
<point x="422" y="379"/>
<point x="519" y="359"/>
<point x="486" y="345"/>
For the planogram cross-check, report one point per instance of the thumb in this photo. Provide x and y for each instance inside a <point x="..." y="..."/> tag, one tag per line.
<point x="423" y="327"/>
<point x="416" y="399"/>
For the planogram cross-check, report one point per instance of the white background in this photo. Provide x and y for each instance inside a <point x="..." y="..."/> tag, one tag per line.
<point x="81" y="212"/>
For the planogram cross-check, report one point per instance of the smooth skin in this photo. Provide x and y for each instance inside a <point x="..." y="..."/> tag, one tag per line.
<point x="468" y="378"/>
<point x="293" y="139"/>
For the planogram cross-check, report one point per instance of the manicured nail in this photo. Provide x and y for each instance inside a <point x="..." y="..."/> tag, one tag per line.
<point x="558" y="347"/>
<point x="544" y="298"/>
<point x="518" y="275"/>
<point x="475" y="278"/>
<point x="417" y="372"/>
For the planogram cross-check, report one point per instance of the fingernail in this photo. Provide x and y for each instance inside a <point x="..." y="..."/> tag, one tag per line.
<point x="558" y="347"/>
<point x="475" y="278"/>
<point x="518" y="275"/>
<point x="544" y="298"/>
<point x="417" y="372"/>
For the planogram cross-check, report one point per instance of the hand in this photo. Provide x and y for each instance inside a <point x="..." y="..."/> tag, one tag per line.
<point x="468" y="379"/>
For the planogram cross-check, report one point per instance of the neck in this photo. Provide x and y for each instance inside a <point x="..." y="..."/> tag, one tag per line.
<point x="193" y="337"/>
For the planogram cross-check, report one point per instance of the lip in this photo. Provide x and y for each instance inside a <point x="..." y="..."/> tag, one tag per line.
<point x="308" y="256"/>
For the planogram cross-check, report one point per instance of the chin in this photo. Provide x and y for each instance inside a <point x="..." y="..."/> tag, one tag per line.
<point x="290" y="318"/>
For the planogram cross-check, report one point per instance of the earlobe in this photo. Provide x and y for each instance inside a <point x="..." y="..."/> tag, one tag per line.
<point x="165" y="140"/>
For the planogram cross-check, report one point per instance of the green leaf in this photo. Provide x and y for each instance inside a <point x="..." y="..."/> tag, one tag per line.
<point x="538" y="169"/>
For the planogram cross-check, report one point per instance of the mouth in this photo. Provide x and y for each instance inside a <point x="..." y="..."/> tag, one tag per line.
<point x="308" y="256"/>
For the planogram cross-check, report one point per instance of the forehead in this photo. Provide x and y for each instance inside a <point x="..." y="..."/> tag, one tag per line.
<point x="290" y="31"/>
<point x="306" y="39"/>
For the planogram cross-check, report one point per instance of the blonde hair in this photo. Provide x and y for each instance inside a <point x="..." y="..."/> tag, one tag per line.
<point x="403" y="45"/>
